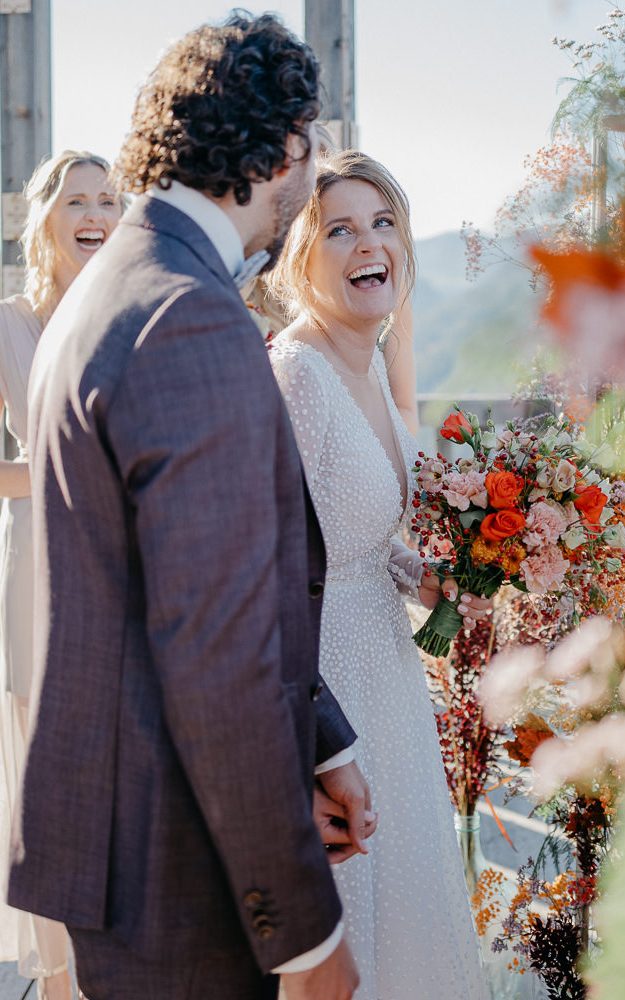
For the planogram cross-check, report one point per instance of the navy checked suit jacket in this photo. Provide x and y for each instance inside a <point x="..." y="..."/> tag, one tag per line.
<point x="179" y="568"/>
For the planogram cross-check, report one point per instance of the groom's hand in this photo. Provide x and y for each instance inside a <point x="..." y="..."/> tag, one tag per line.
<point x="331" y="823"/>
<point x="335" y="979"/>
<point x="347" y="787"/>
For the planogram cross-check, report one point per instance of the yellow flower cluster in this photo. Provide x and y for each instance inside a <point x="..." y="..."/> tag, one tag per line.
<point x="513" y="556"/>
<point x="557" y="893"/>
<point x="484" y="552"/>
<point x="486" y="906"/>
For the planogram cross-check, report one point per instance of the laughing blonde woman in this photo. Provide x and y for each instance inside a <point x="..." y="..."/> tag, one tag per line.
<point x="72" y="212"/>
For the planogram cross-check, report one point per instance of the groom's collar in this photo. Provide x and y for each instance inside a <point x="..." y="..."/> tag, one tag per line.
<point x="211" y="219"/>
<point x="214" y="222"/>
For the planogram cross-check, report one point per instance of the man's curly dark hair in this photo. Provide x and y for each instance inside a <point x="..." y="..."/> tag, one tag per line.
<point x="216" y="112"/>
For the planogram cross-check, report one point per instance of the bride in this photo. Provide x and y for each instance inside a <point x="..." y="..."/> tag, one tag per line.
<point x="347" y="263"/>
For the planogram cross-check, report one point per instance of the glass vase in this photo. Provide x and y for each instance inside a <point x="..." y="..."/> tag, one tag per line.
<point x="473" y="860"/>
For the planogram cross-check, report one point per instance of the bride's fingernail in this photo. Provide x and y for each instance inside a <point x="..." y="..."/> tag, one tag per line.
<point x="466" y="598"/>
<point x="462" y="608"/>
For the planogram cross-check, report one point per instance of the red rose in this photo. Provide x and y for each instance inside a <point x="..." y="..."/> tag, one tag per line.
<point x="590" y="502"/>
<point x="453" y="427"/>
<point x="503" y="524"/>
<point x="503" y="488"/>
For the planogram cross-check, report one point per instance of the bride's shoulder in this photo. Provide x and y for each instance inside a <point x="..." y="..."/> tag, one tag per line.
<point x="289" y="351"/>
<point x="299" y="370"/>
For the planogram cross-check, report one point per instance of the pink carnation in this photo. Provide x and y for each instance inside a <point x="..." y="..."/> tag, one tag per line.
<point x="464" y="488"/>
<point x="430" y="475"/>
<point x="544" y="570"/>
<point x="545" y="522"/>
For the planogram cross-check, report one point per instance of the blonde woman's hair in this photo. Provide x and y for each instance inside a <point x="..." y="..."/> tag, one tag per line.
<point x="288" y="281"/>
<point x="41" y="193"/>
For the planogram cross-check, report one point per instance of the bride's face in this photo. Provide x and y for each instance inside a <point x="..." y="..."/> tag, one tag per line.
<point x="356" y="263"/>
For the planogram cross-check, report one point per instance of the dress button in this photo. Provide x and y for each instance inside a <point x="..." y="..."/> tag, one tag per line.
<point x="315" y="589"/>
<point x="253" y="899"/>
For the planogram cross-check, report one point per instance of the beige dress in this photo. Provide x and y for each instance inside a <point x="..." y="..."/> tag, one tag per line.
<point x="39" y="945"/>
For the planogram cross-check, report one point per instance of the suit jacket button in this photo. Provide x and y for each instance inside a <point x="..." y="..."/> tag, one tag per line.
<point x="315" y="589"/>
<point x="265" y="932"/>
<point x="253" y="899"/>
<point x="315" y="691"/>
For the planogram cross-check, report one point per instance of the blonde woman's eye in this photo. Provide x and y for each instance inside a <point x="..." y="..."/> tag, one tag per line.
<point x="384" y="221"/>
<point x="338" y="231"/>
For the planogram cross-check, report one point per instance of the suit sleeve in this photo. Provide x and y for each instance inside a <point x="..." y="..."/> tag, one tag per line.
<point x="192" y="427"/>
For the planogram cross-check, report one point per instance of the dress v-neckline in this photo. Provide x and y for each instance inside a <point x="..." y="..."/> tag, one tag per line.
<point x="403" y="507"/>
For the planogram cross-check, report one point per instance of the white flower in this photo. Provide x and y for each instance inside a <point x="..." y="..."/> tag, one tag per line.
<point x="574" y="537"/>
<point x="589" y="645"/>
<point x="614" y="535"/>
<point x="605" y="515"/>
<point x="504" y="439"/>
<point x="545" y="475"/>
<point x="466" y="465"/>
<point x="583" y="757"/>
<point x="489" y="440"/>
<point x="564" y="477"/>
<point x="509" y="678"/>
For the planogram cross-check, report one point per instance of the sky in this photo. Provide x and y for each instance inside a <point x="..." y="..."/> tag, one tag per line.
<point x="451" y="95"/>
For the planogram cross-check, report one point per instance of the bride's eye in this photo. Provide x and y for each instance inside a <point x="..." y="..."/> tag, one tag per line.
<point x="383" y="221"/>
<point x="338" y="231"/>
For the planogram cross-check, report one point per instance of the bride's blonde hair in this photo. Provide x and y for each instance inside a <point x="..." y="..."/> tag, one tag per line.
<point x="41" y="193"/>
<point x="288" y="281"/>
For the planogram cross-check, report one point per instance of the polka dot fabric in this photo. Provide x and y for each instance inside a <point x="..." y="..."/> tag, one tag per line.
<point x="406" y="908"/>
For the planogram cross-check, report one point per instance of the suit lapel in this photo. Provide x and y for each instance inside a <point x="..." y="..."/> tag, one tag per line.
<point x="151" y="213"/>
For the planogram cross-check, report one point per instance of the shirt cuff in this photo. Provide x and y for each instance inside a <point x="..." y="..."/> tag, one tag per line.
<point x="302" y="963"/>
<point x="339" y="760"/>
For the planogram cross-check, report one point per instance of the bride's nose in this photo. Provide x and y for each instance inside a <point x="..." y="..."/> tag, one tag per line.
<point x="368" y="241"/>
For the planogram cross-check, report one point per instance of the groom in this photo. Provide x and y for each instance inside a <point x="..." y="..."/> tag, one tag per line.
<point x="167" y="797"/>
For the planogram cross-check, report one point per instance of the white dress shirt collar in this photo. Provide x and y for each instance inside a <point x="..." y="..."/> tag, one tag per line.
<point x="209" y="217"/>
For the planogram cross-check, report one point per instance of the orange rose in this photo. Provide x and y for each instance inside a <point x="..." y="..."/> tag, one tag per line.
<point x="453" y="427"/>
<point x="503" y="524"/>
<point x="503" y="488"/>
<point x="590" y="501"/>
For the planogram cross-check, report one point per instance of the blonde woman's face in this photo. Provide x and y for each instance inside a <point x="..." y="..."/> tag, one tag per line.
<point x="356" y="262"/>
<point x="82" y="218"/>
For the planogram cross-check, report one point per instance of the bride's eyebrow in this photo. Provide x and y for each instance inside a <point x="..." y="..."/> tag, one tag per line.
<point x="335" y="222"/>
<point x="348" y="218"/>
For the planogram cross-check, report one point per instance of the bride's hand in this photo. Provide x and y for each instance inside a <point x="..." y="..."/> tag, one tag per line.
<point x="471" y="607"/>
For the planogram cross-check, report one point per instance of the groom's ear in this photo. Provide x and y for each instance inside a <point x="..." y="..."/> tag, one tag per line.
<point x="295" y="149"/>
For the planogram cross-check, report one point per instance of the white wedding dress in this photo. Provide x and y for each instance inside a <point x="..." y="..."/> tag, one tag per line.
<point x="406" y="908"/>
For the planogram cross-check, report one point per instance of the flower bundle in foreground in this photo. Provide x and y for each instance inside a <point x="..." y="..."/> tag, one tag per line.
<point x="526" y="508"/>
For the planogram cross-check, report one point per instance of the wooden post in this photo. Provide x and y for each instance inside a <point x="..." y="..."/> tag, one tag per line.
<point x="329" y="29"/>
<point x="25" y="116"/>
<point x="25" y="127"/>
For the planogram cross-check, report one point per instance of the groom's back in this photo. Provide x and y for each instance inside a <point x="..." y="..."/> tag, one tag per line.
<point x="152" y="346"/>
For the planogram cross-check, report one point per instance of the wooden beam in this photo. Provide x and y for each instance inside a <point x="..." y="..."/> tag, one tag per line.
<point x="329" y="29"/>
<point x="25" y="112"/>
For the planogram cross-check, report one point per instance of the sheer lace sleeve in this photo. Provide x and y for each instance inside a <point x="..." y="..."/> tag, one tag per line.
<point x="305" y="395"/>
<point x="406" y="568"/>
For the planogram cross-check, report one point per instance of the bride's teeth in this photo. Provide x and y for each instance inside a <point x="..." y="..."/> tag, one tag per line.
<point x="365" y="272"/>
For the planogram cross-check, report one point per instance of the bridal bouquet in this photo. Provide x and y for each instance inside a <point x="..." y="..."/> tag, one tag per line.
<point x="527" y="508"/>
